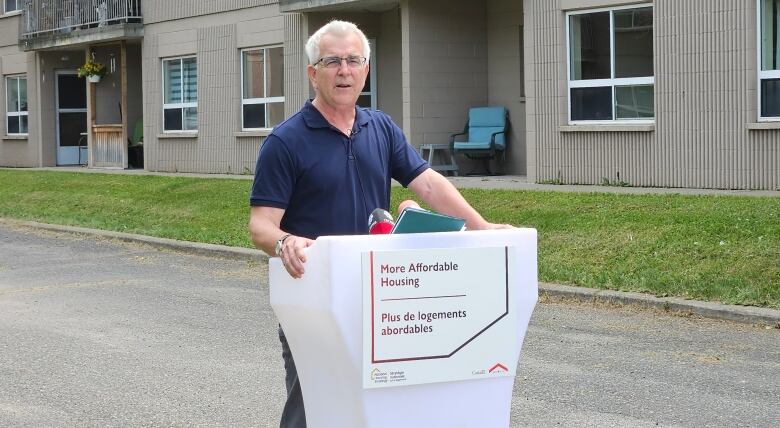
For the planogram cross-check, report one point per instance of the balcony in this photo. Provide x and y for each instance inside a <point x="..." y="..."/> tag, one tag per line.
<point x="49" y="24"/>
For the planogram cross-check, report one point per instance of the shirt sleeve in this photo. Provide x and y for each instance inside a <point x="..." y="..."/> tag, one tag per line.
<point x="274" y="175"/>
<point x="405" y="163"/>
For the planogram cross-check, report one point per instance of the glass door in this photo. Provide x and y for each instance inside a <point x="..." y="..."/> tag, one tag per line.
<point x="71" y="101"/>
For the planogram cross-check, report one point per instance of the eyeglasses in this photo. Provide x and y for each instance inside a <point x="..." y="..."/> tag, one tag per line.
<point x="353" y="61"/>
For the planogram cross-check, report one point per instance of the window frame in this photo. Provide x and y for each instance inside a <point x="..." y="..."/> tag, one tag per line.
<point x="263" y="100"/>
<point x="762" y="75"/>
<point x="18" y="7"/>
<point x="180" y="105"/>
<point x="18" y="113"/>
<point x="371" y="75"/>
<point x="611" y="82"/>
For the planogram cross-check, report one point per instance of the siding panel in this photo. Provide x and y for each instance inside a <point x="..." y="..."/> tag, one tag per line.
<point x="215" y="42"/>
<point x="705" y="94"/>
<point x="296" y="84"/>
<point x="166" y="10"/>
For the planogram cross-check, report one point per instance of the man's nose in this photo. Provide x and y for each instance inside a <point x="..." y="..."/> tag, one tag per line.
<point x="344" y="66"/>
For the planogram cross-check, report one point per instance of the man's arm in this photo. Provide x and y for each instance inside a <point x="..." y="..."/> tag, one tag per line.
<point x="442" y="196"/>
<point x="264" y="228"/>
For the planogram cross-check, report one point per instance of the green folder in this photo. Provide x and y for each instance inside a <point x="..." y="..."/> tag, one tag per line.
<point x="416" y="220"/>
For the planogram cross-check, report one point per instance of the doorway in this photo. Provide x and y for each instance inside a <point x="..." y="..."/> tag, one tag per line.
<point x="71" y="114"/>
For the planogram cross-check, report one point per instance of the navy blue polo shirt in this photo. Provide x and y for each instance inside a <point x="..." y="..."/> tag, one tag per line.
<point x="329" y="183"/>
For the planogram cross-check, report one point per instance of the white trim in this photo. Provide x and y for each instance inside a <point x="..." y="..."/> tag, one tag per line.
<point x="263" y="100"/>
<point x="65" y="152"/>
<point x="611" y="82"/>
<point x="180" y="105"/>
<point x="758" y="60"/>
<point x="607" y="9"/>
<point x="172" y="135"/>
<point x="762" y="74"/>
<point x="11" y="13"/>
<point x="612" y="50"/>
<point x="567" y="49"/>
<point x="371" y="74"/>
<point x="18" y="112"/>
<point x="621" y="122"/>
<point x="622" y="81"/>
<point x="254" y="134"/>
<point x="17" y="11"/>
<point x="611" y="127"/>
<point x="759" y="126"/>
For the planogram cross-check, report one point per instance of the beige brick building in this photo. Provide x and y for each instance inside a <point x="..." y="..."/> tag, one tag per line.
<point x="676" y="93"/>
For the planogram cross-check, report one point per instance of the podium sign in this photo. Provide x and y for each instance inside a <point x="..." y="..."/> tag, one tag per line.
<point x="452" y="338"/>
<point x="437" y="315"/>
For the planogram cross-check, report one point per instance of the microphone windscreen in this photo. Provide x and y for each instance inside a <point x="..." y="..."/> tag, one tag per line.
<point x="381" y="228"/>
<point x="380" y="222"/>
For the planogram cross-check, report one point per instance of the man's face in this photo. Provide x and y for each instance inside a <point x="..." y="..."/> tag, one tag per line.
<point x="339" y="87"/>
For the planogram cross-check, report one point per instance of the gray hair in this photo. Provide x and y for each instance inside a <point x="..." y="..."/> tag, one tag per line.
<point x="336" y="28"/>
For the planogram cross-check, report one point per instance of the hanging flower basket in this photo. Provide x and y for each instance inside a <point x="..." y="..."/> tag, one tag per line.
<point x="92" y="70"/>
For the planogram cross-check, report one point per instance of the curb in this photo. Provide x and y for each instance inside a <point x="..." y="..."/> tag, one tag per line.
<point x="197" y="248"/>
<point x="736" y="313"/>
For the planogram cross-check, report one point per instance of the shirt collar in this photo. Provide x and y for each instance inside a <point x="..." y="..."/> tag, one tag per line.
<point x="315" y="119"/>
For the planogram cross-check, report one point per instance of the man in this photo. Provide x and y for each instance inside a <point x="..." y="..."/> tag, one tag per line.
<point x="326" y="168"/>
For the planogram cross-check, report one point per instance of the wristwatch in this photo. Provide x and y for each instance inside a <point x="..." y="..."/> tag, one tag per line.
<point x="279" y="243"/>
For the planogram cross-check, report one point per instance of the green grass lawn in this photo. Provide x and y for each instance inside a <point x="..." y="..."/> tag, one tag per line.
<point x="717" y="248"/>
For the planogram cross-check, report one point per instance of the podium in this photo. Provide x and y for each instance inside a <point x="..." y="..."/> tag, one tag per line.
<point x="409" y="330"/>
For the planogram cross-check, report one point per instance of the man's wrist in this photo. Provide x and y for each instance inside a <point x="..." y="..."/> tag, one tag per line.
<point x="280" y="244"/>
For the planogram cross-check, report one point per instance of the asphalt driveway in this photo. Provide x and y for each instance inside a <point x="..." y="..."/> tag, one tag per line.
<point x="96" y="332"/>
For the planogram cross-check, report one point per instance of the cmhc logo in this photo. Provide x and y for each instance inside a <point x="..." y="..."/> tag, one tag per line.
<point x="498" y="368"/>
<point x="376" y="373"/>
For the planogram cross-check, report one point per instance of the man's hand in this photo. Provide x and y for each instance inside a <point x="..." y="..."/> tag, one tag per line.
<point x="491" y="226"/>
<point x="265" y="231"/>
<point x="443" y="197"/>
<point x="293" y="255"/>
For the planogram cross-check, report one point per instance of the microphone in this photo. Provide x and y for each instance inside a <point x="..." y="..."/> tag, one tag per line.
<point x="380" y="222"/>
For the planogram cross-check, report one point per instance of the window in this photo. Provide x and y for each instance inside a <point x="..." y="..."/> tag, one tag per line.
<point x="262" y="81"/>
<point x="12" y="5"/>
<point x="367" y="96"/>
<point x="16" y="103"/>
<point x="769" y="69"/>
<point x="611" y="65"/>
<point x="180" y="94"/>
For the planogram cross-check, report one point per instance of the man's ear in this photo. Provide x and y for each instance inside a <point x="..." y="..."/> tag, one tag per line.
<point x="312" y="73"/>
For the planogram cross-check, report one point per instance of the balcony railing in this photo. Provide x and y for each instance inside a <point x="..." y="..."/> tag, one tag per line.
<point x="45" y="17"/>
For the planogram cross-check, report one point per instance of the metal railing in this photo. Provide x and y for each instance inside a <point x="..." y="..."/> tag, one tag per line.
<point x="43" y="17"/>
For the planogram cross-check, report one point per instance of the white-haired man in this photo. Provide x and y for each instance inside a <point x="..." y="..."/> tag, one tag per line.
<point x="326" y="168"/>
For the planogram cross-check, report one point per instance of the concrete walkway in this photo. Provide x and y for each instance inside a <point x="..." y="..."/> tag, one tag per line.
<point x="505" y="182"/>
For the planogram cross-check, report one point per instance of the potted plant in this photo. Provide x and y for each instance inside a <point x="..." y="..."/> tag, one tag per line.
<point x="92" y="70"/>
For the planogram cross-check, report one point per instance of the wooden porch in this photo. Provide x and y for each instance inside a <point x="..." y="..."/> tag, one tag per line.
<point x="107" y="143"/>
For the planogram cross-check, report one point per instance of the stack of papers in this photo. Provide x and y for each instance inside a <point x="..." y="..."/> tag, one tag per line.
<point x="418" y="220"/>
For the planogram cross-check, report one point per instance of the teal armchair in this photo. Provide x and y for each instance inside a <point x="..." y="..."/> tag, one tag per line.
<point x="486" y="130"/>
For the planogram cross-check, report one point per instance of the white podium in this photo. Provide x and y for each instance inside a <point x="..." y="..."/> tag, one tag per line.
<point x="417" y="330"/>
